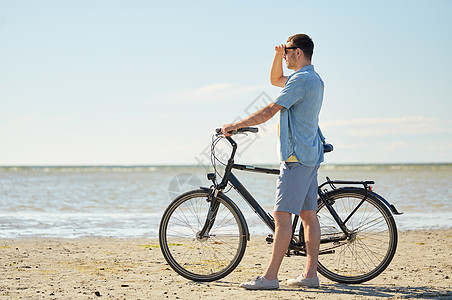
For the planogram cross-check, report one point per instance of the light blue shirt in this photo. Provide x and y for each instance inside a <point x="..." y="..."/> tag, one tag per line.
<point x="299" y="132"/>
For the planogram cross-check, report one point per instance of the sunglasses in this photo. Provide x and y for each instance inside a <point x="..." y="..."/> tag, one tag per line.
<point x="285" y="49"/>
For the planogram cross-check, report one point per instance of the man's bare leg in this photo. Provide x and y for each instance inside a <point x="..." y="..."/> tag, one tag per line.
<point x="283" y="235"/>
<point x="312" y="238"/>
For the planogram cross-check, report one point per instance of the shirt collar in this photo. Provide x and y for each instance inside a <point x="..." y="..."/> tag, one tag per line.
<point x="307" y="68"/>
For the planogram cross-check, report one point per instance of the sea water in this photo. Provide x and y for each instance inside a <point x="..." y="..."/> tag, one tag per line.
<point x="128" y="201"/>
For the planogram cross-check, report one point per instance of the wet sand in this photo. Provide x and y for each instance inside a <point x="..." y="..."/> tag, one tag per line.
<point x="109" y="268"/>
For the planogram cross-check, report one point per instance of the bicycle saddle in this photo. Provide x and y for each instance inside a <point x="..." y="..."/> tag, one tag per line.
<point x="327" y="148"/>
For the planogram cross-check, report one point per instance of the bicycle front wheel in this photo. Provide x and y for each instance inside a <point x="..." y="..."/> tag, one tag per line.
<point x="207" y="258"/>
<point x="372" y="240"/>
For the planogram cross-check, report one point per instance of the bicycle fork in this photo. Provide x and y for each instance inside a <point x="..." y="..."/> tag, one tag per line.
<point x="204" y="233"/>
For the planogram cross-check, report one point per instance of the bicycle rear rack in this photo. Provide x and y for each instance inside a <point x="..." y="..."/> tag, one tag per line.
<point x="367" y="183"/>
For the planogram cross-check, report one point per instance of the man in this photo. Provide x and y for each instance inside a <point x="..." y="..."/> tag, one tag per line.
<point x="301" y="153"/>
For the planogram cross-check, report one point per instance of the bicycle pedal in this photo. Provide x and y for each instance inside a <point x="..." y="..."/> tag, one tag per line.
<point x="327" y="252"/>
<point x="269" y="239"/>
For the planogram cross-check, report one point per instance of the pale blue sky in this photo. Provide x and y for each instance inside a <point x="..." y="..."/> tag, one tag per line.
<point x="144" y="82"/>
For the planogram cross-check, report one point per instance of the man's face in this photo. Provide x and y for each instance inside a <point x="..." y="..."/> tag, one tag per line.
<point x="291" y="56"/>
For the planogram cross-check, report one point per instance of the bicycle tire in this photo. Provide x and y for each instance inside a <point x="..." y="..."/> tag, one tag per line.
<point x="371" y="247"/>
<point x="206" y="259"/>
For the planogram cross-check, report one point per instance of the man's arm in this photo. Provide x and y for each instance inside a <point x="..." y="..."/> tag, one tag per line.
<point x="277" y="77"/>
<point x="259" y="117"/>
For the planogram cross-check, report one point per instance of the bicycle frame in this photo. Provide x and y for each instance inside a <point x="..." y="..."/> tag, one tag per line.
<point x="267" y="217"/>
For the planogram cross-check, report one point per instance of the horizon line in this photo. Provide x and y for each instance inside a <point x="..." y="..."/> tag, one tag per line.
<point x="198" y="165"/>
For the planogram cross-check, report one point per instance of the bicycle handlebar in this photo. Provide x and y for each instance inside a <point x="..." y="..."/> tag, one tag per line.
<point x="240" y="130"/>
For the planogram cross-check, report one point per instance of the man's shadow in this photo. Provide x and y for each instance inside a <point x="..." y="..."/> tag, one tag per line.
<point x="384" y="291"/>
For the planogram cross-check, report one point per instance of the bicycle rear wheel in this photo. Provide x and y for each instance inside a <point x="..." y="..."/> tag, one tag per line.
<point x="372" y="241"/>
<point x="202" y="259"/>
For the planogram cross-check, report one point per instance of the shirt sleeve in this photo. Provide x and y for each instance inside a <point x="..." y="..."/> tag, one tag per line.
<point x="292" y="92"/>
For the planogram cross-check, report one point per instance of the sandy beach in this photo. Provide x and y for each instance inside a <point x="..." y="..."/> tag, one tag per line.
<point x="99" y="268"/>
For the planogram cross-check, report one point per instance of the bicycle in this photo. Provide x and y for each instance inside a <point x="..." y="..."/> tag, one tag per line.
<point x="203" y="234"/>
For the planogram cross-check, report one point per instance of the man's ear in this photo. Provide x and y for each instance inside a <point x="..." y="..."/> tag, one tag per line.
<point x="301" y="53"/>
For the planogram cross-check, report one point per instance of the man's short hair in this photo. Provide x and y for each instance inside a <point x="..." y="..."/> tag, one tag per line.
<point x="304" y="42"/>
